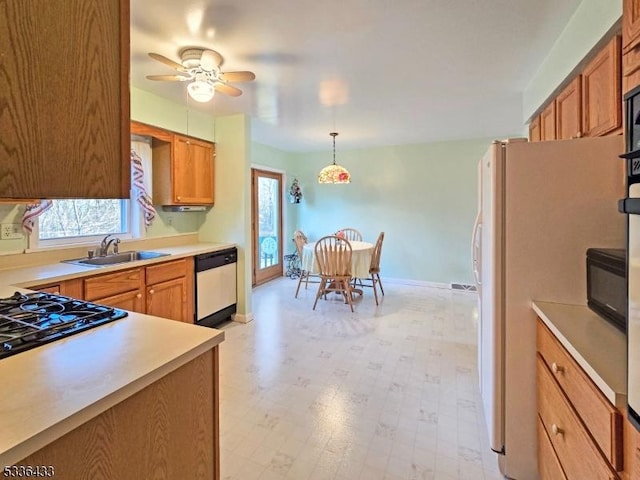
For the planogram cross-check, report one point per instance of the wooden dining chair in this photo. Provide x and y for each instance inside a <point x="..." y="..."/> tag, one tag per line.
<point x="351" y="234"/>
<point x="374" y="268"/>
<point x="300" y="239"/>
<point x="333" y="255"/>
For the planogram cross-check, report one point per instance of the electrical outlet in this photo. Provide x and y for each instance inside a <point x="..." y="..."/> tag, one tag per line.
<point x="10" y="231"/>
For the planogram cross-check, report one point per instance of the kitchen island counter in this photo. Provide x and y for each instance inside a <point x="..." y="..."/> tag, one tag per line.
<point x="51" y="390"/>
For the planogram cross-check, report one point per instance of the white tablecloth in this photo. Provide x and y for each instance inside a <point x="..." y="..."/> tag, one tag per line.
<point x="360" y="258"/>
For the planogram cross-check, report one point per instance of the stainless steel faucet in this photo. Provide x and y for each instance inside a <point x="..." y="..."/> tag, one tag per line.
<point x="105" y="244"/>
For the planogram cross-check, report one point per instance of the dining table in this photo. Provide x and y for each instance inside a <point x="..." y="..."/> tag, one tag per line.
<point x="361" y="253"/>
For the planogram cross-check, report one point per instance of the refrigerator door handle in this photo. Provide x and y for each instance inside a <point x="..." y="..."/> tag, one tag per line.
<point x="475" y="250"/>
<point x="630" y="206"/>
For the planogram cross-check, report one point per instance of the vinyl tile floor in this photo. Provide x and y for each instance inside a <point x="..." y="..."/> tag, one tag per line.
<point x="387" y="392"/>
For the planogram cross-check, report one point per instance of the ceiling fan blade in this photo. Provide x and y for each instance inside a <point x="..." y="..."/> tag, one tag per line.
<point x="210" y="60"/>
<point x="227" y="89"/>
<point x="167" y="61"/>
<point x="169" y="78"/>
<point x="237" y="76"/>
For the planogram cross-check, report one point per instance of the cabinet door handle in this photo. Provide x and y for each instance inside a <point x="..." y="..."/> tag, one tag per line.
<point x="151" y="292"/>
<point x="179" y="198"/>
<point x="555" y="368"/>
<point x="557" y="430"/>
<point x="139" y="295"/>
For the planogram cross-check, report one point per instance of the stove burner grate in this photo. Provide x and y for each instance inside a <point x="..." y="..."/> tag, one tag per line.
<point x="30" y="320"/>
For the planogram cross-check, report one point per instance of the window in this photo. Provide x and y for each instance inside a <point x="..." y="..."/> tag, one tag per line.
<point x="82" y="221"/>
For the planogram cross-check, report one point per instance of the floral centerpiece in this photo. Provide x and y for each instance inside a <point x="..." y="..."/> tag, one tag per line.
<point x="340" y="234"/>
<point x="295" y="191"/>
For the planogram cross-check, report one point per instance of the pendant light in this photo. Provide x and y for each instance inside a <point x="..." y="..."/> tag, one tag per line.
<point x="334" y="173"/>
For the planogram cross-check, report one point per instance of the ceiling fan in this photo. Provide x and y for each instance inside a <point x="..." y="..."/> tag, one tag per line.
<point x="201" y="67"/>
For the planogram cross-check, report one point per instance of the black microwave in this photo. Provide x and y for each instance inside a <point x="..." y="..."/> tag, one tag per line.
<point x="607" y="284"/>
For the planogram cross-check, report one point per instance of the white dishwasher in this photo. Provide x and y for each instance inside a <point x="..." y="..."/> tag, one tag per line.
<point x="215" y="281"/>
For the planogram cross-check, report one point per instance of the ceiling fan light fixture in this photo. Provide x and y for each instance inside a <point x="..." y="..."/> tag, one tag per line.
<point x="334" y="173"/>
<point x="201" y="91"/>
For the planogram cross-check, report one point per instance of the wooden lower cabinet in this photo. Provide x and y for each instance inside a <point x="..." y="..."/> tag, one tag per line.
<point x="168" y="299"/>
<point x="163" y="289"/>
<point x="169" y="292"/>
<point x="168" y="430"/>
<point x="131" y="301"/>
<point x="579" y="430"/>
<point x="548" y="463"/>
<point x="123" y="289"/>
<point x="70" y="288"/>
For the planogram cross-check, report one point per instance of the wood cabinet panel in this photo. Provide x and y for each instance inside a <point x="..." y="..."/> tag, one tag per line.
<point x="110" y="284"/>
<point x="548" y="122"/>
<point x="168" y="300"/>
<point x="579" y="456"/>
<point x="569" y="111"/>
<point x="630" y="23"/>
<point x="71" y="288"/>
<point x="601" y="418"/>
<point x="162" y="272"/>
<point x="64" y="92"/>
<point x="166" y="431"/>
<point x="192" y="171"/>
<point x="548" y="463"/>
<point x="631" y="69"/>
<point x="145" y="130"/>
<point x="534" y="130"/>
<point x="132" y="301"/>
<point x="183" y="171"/>
<point x="601" y="91"/>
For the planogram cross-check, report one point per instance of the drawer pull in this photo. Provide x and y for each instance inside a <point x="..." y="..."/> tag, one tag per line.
<point x="557" y="430"/>
<point x="555" y="368"/>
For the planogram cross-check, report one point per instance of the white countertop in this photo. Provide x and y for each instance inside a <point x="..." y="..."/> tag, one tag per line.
<point x="598" y="347"/>
<point x="59" y="271"/>
<point x="50" y="390"/>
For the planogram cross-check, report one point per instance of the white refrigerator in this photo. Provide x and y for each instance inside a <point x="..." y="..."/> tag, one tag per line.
<point x="541" y="205"/>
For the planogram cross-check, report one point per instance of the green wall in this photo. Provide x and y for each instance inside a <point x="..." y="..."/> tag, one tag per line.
<point x="424" y="197"/>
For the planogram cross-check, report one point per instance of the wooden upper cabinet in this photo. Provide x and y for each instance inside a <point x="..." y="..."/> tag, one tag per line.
<point x="601" y="91"/>
<point x="192" y="171"/>
<point x="534" y="129"/>
<point x="64" y="92"/>
<point x="183" y="171"/>
<point x="548" y="122"/>
<point x="569" y="111"/>
<point x="630" y="23"/>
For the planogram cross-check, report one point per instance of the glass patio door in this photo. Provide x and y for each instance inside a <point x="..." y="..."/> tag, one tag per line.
<point x="266" y="193"/>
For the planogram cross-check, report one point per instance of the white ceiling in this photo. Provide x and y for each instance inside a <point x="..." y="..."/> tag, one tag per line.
<point x="379" y="72"/>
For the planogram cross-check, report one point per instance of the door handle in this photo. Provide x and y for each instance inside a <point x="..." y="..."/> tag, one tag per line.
<point x="475" y="250"/>
<point x="630" y="206"/>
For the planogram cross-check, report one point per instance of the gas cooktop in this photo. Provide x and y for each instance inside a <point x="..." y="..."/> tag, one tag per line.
<point x="32" y="319"/>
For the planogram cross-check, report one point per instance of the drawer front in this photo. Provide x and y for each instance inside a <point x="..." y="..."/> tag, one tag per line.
<point x="112" y="284"/>
<point x="166" y="271"/>
<point x="601" y="418"/>
<point x="579" y="456"/>
<point x="548" y="463"/>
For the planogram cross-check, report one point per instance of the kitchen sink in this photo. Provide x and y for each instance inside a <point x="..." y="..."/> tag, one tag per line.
<point x="116" y="258"/>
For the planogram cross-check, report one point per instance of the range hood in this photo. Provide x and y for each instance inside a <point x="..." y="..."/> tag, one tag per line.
<point x="185" y="208"/>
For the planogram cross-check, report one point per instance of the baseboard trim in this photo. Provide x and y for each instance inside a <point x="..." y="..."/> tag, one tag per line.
<point x="242" y="317"/>
<point x="422" y="283"/>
